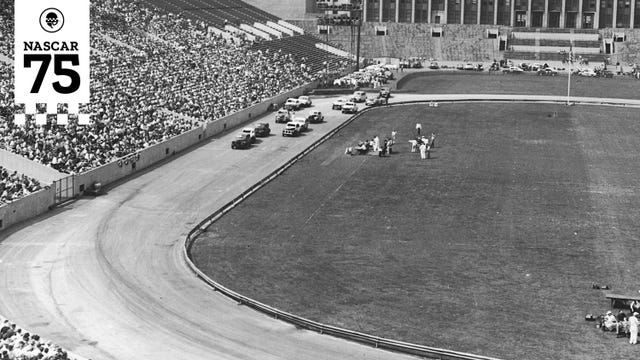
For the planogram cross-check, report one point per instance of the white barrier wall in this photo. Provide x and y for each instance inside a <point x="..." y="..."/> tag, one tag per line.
<point x="28" y="207"/>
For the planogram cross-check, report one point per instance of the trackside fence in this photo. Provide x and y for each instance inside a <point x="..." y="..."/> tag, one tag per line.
<point x="378" y="342"/>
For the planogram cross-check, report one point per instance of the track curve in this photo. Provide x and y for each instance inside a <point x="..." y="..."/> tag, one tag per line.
<point x="105" y="278"/>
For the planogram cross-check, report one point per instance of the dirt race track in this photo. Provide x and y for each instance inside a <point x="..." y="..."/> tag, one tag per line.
<point x="105" y="277"/>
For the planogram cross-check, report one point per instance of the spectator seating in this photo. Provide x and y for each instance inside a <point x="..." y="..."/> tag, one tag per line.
<point x="16" y="343"/>
<point x="14" y="186"/>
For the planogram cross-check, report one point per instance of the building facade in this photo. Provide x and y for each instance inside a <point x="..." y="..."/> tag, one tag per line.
<point x="572" y="14"/>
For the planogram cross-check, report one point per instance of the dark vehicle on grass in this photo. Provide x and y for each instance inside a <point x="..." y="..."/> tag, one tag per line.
<point x="262" y="130"/>
<point x="604" y="73"/>
<point x="292" y="129"/>
<point x="547" y="72"/>
<point x="241" y="141"/>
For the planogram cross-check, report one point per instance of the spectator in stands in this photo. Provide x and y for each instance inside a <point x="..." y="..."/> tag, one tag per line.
<point x="14" y="186"/>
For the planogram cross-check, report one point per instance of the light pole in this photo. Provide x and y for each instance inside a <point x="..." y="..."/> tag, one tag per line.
<point x="568" y="58"/>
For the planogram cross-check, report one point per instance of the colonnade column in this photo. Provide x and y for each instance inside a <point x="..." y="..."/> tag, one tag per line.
<point x="495" y="12"/>
<point x="397" y="11"/>
<point x="413" y="11"/>
<point x="529" y="15"/>
<point x="596" y="17"/>
<point x="364" y="11"/>
<point x="563" y="9"/>
<point x="428" y="11"/>
<point x="461" y="11"/>
<point x="446" y="12"/>
<point x="380" y="11"/>
<point x="479" y="10"/>
<point x="513" y="12"/>
<point x="633" y="14"/>
<point x="614" y="23"/>
<point x="579" y="19"/>
<point x="545" y="17"/>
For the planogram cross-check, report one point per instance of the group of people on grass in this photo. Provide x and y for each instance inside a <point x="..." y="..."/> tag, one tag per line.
<point x="422" y="143"/>
<point x="372" y="145"/>
<point x="625" y="324"/>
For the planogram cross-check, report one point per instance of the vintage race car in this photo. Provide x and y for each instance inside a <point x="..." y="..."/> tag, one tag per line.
<point x="283" y="116"/>
<point x="292" y="104"/>
<point x="251" y="132"/>
<point x="303" y="122"/>
<point x="262" y="130"/>
<point x="376" y="101"/>
<point x="315" y="116"/>
<point x="304" y="101"/>
<point x="241" y="141"/>
<point x="291" y="129"/>
<point x="337" y="105"/>
<point x="349" y="108"/>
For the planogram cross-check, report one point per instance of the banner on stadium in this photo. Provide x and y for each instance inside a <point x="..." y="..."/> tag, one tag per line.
<point x="52" y="53"/>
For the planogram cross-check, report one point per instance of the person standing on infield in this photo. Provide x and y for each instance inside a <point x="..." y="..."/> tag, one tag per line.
<point x="423" y="150"/>
<point x="418" y="128"/>
<point x="633" y="328"/>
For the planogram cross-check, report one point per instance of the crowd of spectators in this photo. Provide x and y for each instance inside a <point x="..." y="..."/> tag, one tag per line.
<point x="17" y="344"/>
<point x="154" y="75"/>
<point x="13" y="186"/>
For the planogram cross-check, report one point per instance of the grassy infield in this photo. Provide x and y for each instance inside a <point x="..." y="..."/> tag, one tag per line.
<point x="490" y="247"/>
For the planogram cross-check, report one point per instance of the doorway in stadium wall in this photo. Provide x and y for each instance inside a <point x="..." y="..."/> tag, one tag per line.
<point x="65" y="189"/>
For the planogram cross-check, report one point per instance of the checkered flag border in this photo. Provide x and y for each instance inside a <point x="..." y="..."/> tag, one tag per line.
<point x="53" y="109"/>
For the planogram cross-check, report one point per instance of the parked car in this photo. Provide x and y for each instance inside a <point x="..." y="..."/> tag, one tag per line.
<point x="304" y="101"/>
<point x="469" y="66"/>
<point x="605" y="74"/>
<point x="513" y="70"/>
<point x="291" y="129"/>
<point x="241" y="141"/>
<point x="587" y="73"/>
<point x="349" y="107"/>
<point x="359" y="96"/>
<point x="376" y="101"/>
<point x="315" y="116"/>
<point x="262" y="130"/>
<point x="547" y="72"/>
<point x="385" y="92"/>
<point x="434" y="65"/>
<point x="283" y="116"/>
<point x="337" y="105"/>
<point x="292" y="104"/>
<point x="251" y="132"/>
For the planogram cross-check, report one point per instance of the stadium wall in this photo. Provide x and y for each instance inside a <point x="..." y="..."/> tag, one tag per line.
<point x="457" y="43"/>
<point x="28" y="207"/>
<point x="152" y="155"/>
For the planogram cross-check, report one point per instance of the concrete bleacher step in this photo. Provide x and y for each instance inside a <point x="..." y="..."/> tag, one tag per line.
<point x="280" y="28"/>
<point x="335" y="51"/>
<point x="259" y="33"/>
<point x="269" y="30"/>
<point x="296" y="29"/>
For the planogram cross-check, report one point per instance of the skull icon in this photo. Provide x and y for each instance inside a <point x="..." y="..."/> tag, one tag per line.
<point x="51" y="20"/>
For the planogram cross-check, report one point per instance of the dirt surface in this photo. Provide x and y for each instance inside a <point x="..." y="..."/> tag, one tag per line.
<point x="489" y="247"/>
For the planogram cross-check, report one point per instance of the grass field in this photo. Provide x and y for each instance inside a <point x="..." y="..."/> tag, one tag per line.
<point x="451" y="82"/>
<point x="490" y="247"/>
